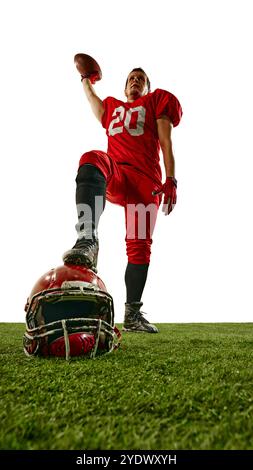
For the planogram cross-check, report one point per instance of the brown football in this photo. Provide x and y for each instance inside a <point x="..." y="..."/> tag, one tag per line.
<point x="87" y="66"/>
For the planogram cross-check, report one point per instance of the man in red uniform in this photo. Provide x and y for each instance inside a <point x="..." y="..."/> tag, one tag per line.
<point x="129" y="174"/>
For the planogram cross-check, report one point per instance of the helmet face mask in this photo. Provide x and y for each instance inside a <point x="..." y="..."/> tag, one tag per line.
<point x="72" y="316"/>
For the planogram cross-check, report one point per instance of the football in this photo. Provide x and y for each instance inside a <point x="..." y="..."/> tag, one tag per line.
<point x="88" y="67"/>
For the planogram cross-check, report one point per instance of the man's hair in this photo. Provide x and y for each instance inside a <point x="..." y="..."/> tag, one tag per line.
<point x="139" y="69"/>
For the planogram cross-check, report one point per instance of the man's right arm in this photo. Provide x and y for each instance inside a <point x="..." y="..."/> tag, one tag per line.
<point x="95" y="102"/>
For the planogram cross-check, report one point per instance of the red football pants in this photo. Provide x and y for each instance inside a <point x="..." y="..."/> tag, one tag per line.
<point x="132" y="190"/>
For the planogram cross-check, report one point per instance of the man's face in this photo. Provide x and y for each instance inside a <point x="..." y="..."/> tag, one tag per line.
<point x="136" y="85"/>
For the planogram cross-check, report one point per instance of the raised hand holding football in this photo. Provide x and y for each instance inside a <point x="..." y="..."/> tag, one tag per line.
<point x="88" y="67"/>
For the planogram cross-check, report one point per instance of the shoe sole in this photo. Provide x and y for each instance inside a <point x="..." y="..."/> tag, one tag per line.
<point x="128" y="330"/>
<point x="79" y="261"/>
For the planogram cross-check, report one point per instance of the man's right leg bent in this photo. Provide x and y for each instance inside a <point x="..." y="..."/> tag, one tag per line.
<point x="93" y="173"/>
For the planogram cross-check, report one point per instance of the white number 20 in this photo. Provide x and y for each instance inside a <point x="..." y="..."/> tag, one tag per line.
<point x="126" y="117"/>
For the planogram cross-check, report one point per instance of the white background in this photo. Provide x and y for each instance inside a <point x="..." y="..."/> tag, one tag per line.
<point x="200" y="50"/>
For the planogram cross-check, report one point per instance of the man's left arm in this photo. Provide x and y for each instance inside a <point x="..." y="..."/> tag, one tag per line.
<point x="164" y="128"/>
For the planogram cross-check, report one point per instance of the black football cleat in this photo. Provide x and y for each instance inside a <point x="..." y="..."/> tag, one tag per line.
<point x="83" y="253"/>
<point x="135" y="321"/>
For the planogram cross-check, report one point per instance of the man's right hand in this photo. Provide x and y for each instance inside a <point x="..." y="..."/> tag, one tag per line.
<point x="88" y="67"/>
<point x="93" y="77"/>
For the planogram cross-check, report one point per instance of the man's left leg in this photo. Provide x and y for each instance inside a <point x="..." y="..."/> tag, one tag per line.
<point x="140" y="223"/>
<point x="135" y="280"/>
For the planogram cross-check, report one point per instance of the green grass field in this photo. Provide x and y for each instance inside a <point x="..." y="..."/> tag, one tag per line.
<point x="189" y="387"/>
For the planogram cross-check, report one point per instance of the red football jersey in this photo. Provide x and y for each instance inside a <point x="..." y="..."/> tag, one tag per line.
<point x="132" y="130"/>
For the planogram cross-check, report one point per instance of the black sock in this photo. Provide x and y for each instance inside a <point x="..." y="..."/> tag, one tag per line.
<point x="135" y="279"/>
<point x="90" y="182"/>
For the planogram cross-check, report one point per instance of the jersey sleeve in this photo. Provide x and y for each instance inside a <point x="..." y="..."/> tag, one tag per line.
<point x="107" y="105"/>
<point x="166" y="104"/>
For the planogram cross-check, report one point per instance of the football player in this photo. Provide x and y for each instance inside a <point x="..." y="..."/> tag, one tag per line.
<point x="129" y="174"/>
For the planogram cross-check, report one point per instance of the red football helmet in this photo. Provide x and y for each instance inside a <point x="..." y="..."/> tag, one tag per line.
<point x="70" y="313"/>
